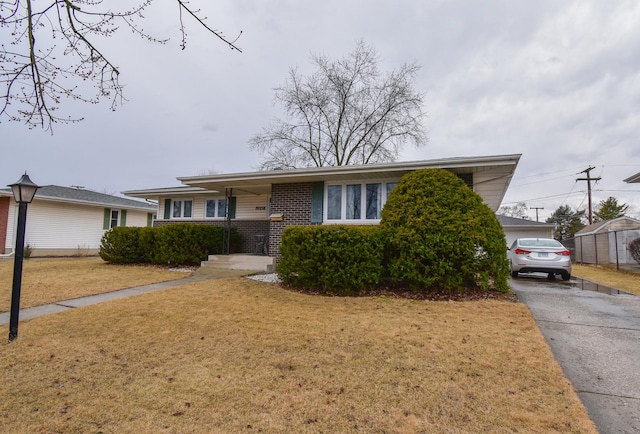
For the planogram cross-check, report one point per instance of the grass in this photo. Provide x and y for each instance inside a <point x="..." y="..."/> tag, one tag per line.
<point x="627" y="281"/>
<point x="235" y="355"/>
<point x="50" y="280"/>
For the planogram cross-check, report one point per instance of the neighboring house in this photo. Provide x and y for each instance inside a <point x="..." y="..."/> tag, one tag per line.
<point x="261" y="204"/>
<point x="606" y="242"/>
<point x="64" y="221"/>
<point x="633" y="179"/>
<point x="523" y="228"/>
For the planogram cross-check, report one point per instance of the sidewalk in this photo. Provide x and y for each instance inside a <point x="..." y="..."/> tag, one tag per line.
<point x="197" y="276"/>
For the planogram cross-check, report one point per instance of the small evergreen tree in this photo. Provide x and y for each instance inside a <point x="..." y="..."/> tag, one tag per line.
<point x="609" y="209"/>
<point x="567" y="222"/>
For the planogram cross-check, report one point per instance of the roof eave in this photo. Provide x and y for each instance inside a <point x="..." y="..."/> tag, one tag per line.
<point x="260" y="180"/>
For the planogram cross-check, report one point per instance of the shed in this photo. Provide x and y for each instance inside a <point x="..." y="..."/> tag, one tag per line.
<point x="607" y="242"/>
<point x="523" y="228"/>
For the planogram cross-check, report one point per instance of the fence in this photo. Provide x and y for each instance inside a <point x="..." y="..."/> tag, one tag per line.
<point x="609" y="247"/>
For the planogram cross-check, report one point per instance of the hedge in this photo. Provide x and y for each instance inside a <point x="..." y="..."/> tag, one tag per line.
<point x="175" y="244"/>
<point x="338" y="260"/>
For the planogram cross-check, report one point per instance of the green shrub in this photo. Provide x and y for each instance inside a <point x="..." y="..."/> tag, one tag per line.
<point x="175" y="244"/>
<point x="339" y="260"/>
<point x="442" y="236"/>
<point x="634" y="249"/>
<point x="120" y="245"/>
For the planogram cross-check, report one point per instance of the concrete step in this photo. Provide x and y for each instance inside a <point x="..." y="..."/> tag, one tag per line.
<point x="240" y="262"/>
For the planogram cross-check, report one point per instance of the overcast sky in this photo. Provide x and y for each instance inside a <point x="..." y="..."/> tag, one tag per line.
<point x="556" y="81"/>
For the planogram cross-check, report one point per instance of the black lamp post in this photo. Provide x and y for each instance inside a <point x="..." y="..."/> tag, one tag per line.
<point x="23" y="192"/>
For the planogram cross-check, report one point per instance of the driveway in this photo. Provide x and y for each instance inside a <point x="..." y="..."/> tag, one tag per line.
<point x="594" y="334"/>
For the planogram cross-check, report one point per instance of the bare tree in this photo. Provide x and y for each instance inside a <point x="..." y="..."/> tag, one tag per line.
<point x="518" y="210"/>
<point x="346" y="112"/>
<point x="49" y="49"/>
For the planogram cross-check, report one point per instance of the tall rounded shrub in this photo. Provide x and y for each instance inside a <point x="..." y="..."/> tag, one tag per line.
<point x="442" y="236"/>
<point x="634" y="249"/>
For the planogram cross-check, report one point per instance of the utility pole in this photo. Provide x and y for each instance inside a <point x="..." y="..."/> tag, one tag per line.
<point x="537" y="208"/>
<point x="589" y="179"/>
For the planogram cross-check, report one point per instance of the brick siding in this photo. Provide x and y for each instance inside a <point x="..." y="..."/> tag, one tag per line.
<point x="293" y="201"/>
<point x="248" y="229"/>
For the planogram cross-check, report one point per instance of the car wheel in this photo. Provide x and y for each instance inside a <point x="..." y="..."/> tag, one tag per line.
<point x="514" y="274"/>
<point x="566" y="276"/>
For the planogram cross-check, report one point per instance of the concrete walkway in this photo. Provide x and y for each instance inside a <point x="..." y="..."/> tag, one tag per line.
<point x="197" y="276"/>
<point x="594" y="334"/>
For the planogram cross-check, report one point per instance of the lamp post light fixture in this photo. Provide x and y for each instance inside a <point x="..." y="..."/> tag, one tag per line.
<point x="23" y="192"/>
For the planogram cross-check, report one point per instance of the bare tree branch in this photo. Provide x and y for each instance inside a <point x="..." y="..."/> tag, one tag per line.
<point x="48" y="54"/>
<point x="347" y="112"/>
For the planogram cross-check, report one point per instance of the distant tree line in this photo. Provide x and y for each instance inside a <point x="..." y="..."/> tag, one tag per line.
<point x="568" y="221"/>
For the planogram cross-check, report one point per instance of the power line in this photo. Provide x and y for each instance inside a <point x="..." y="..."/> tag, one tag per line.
<point x="537" y="208"/>
<point x="589" y="179"/>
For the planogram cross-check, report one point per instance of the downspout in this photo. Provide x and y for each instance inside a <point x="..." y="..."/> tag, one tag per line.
<point x="226" y="235"/>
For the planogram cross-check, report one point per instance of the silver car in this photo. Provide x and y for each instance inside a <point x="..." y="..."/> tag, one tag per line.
<point x="540" y="255"/>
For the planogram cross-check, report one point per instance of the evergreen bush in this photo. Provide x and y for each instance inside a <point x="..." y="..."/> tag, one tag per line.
<point x="338" y="260"/>
<point x="120" y="245"/>
<point x="174" y="244"/>
<point x="634" y="249"/>
<point x="442" y="236"/>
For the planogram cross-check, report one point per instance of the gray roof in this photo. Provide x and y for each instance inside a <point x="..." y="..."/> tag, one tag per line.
<point x="491" y="177"/>
<point x="633" y="178"/>
<point x="87" y="197"/>
<point x="620" y="223"/>
<point x="512" y="221"/>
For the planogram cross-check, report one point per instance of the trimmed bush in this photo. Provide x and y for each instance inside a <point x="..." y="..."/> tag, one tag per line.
<point x="442" y="236"/>
<point x="338" y="260"/>
<point x="121" y="245"/>
<point x="634" y="249"/>
<point x="175" y="244"/>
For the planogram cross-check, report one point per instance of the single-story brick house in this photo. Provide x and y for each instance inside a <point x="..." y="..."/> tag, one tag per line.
<point x="523" y="228"/>
<point x="261" y="204"/>
<point x="68" y="221"/>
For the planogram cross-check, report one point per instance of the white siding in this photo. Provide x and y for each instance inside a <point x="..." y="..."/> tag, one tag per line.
<point x="58" y="226"/>
<point x="248" y="207"/>
<point x="489" y="184"/>
<point x="251" y="208"/>
<point x="512" y="233"/>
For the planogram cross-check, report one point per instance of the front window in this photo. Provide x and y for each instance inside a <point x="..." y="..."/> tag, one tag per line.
<point x="390" y="186"/>
<point x="352" y="202"/>
<point x="374" y="201"/>
<point x="334" y="202"/>
<point x="182" y="209"/>
<point x="215" y="208"/>
<point x="115" y="214"/>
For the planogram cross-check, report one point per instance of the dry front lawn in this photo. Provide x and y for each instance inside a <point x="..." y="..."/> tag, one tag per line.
<point x="239" y="356"/>
<point x="627" y="281"/>
<point x="46" y="281"/>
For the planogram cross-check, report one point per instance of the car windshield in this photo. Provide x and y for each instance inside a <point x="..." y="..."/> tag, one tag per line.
<point x="537" y="242"/>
